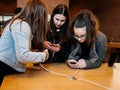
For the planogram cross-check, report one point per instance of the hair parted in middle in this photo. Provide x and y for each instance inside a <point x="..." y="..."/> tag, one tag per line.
<point x="88" y="19"/>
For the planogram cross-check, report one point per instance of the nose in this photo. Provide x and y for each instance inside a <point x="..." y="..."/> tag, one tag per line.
<point x="59" y="22"/>
<point x="80" y="40"/>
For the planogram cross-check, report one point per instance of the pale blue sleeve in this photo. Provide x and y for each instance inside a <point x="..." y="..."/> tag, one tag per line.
<point x="21" y="34"/>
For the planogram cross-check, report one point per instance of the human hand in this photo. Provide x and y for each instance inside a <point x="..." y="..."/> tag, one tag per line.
<point x="47" y="54"/>
<point x="55" y="47"/>
<point x="80" y="64"/>
<point x="47" y="45"/>
<point x="52" y="47"/>
<point x="71" y="62"/>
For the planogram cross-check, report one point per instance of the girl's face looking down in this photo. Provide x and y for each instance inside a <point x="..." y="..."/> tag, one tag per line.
<point x="80" y="34"/>
<point x="59" y="20"/>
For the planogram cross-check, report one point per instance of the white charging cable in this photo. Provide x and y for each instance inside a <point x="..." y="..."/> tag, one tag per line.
<point x="72" y="77"/>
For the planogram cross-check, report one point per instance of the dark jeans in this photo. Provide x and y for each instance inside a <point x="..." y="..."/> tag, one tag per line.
<point x="5" y="70"/>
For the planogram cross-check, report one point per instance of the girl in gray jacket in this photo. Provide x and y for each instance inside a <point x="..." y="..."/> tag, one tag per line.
<point x="86" y="43"/>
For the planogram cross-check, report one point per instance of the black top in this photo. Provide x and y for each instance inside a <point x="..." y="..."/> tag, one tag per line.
<point x="85" y="50"/>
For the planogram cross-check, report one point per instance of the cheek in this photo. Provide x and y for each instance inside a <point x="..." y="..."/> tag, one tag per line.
<point x="55" y="21"/>
<point x="62" y="23"/>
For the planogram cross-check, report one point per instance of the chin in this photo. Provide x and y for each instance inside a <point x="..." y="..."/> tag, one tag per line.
<point x="81" y="41"/>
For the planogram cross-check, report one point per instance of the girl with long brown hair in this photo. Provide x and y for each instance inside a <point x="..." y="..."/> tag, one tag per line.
<point x="30" y="25"/>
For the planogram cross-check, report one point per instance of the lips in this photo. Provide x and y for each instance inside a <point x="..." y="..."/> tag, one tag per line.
<point x="58" y="26"/>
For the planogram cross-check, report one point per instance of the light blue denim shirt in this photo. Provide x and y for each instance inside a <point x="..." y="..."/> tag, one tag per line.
<point x="15" y="46"/>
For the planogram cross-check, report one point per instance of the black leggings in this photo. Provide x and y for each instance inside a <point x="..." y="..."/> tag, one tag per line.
<point x="5" y="70"/>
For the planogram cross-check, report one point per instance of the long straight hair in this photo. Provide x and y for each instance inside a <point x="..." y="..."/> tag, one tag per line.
<point x="35" y="14"/>
<point x="63" y="10"/>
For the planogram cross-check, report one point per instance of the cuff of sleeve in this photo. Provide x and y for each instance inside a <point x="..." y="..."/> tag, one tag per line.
<point x="44" y="57"/>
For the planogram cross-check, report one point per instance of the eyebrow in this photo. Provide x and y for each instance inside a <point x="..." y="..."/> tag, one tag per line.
<point x="59" y="19"/>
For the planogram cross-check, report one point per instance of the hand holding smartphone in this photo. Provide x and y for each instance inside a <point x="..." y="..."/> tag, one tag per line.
<point x="72" y="62"/>
<point x="55" y="47"/>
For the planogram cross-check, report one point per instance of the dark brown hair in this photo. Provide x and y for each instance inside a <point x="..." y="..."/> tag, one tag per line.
<point x="88" y="19"/>
<point x="60" y="9"/>
<point x="35" y="14"/>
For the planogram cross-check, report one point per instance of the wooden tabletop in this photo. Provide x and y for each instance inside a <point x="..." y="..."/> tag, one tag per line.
<point x="59" y="77"/>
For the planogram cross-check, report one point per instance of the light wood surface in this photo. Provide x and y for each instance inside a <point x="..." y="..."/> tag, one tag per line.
<point x="102" y="78"/>
<point x="113" y="44"/>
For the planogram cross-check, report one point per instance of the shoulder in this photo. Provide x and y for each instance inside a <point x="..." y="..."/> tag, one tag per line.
<point x="20" y="24"/>
<point x="101" y="36"/>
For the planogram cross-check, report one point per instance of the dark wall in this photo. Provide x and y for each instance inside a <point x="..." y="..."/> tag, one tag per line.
<point x="107" y="11"/>
<point x="8" y="6"/>
<point x="50" y="4"/>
